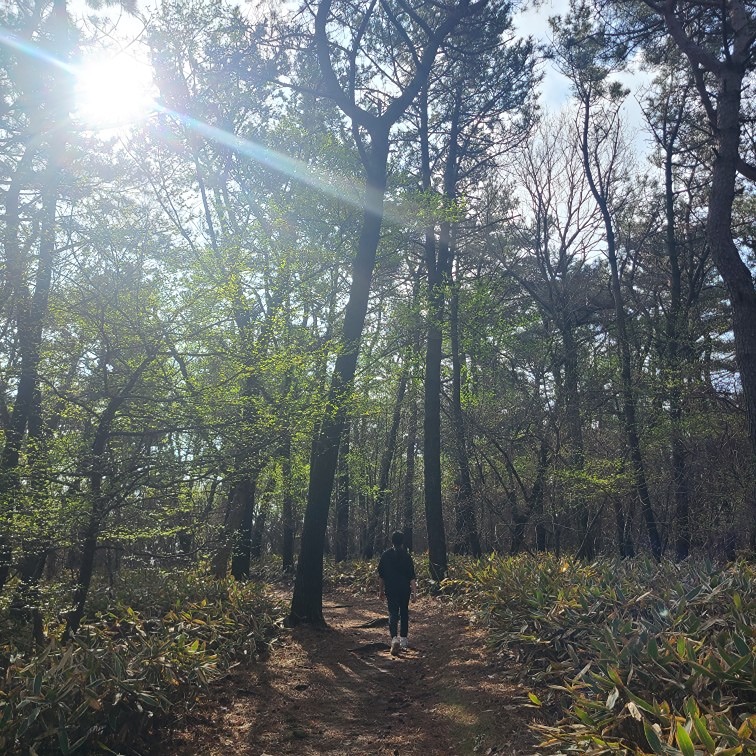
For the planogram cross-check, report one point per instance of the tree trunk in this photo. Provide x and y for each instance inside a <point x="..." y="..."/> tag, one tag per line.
<point x="434" y="514"/>
<point x="629" y="409"/>
<point x="519" y="522"/>
<point x="99" y="498"/>
<point x="28" y="420"/>
<point x="468" y="541"/>
<point x="45" y="123"/>
<point x="379" y="506"/>
<point x="341" y="549"/>
<point x="287" y="508"/>
<point x="735" y="273"/>
<point x="537" y="496"/>
<point x="435" y="263"/>
<point x="231" y="520"/>
<point x="241" y="555"/>
<point x="86" y="569"/>
<point x="31" y="311"/>
<point x="587" y="545"/>
<point x="675" y="323"/>
<point x="623" y="345"/>
<point x="258" y="530"/>
<point x="726" y="116"/>
<point x="409" y="478"/>
<point x="307" y="600"/>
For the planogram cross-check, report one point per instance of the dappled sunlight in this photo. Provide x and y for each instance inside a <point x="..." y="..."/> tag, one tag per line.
<point x="321" y="694"/>
<point x="462" y="714"/>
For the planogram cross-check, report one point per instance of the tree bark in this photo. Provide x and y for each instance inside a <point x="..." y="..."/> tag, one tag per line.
<point x="99" y="498"/>
<point x="408" y="509"/>
<point x="46" y="122"/>
<point x="537" y="496"/>
<point x="258" y="529"/>
<point x="341" y="549"/>
<point x="735" y="273"/>
<point x="675" y="324"/>
<point x="379" y="507"/>
<point x="735" y="40"/>
<point x="287" y="508"/>
<point x="468" y="541"/>
<point x="436" y="264"/>
<point x="241" y="554"/>
<point x="307" y="600"/>
<point x="587" y="546"/>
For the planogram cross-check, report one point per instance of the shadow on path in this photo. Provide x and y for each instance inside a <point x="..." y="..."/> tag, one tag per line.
<point x="339" y="691"/>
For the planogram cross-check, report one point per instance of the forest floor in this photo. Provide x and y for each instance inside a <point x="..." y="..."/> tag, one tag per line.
<point x="339" y="691"/>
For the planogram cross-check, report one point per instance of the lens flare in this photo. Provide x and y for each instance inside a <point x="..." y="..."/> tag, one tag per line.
<point x="113" y="92"/>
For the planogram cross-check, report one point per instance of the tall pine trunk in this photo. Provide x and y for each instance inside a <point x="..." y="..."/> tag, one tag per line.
<point x="341" y="545"/>
<point x="288" y="514"/>
<point x="735" y="273"/>
<point x="371" y="133"/>
<point x="378" y="514"/>
<point x="241" y="554"/>
<point x="408" y="508"/>
<point x="468" y="541"/>
<point x="675" y="324"/>
<point x="307" y="600"/>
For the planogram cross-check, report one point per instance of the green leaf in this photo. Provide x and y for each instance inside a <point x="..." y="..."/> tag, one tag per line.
<point x="703" y="734"/>
<point x="741" y="645"/>
<point x="614" y="676"/>
<point x="653" y="648"/>
<point x="691" y="708"/>
<point x="681" y="646"/>
<point x="534" y="698"/>
<point x="63" y="740"/>
<point x="684" y="741"/>
<point x="653" y="738"/>
<point x="641" y="704"/>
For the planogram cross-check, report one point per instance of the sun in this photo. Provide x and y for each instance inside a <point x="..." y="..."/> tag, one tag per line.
<point x="113" y="92"/>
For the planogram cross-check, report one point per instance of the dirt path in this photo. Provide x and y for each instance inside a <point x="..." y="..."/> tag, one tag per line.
<point x="339" y="691"/>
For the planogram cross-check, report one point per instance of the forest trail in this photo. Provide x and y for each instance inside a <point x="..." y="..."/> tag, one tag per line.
<point x="339" y="691"/>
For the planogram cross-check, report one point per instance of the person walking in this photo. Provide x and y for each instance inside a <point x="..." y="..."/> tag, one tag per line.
<point x="396" y="571"/>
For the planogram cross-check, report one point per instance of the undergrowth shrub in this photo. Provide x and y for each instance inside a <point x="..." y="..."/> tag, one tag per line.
<point x="150" y="644"/>
<point x="641" y="658"/>
<point x="361" y="577"/>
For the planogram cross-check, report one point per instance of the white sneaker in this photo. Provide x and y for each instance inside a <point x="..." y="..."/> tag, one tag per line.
<point x="403" y="644"/>
<point x="395" y="646"/>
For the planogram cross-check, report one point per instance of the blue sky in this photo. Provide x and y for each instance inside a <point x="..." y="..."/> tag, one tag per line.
<point x="555" y="88"/>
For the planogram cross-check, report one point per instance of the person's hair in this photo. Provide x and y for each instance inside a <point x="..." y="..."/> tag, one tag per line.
<point x="397" y="538"/>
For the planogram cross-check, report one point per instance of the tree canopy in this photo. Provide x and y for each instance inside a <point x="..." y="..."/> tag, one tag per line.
<point x="346" y="274"/>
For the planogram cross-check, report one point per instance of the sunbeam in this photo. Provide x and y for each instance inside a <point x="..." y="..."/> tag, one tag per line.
<point x="338" y="186"/>
<point x="99" y="115"/>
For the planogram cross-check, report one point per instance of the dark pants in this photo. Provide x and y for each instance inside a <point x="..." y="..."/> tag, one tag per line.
<point x="398" y="607"/>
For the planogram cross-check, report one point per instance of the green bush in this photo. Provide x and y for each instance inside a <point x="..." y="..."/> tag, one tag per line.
<point x="642" y="658"/>
<point x="144" y="653"/>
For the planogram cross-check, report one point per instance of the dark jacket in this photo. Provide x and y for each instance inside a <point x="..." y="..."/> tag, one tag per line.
<point x="397" y="570"/>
